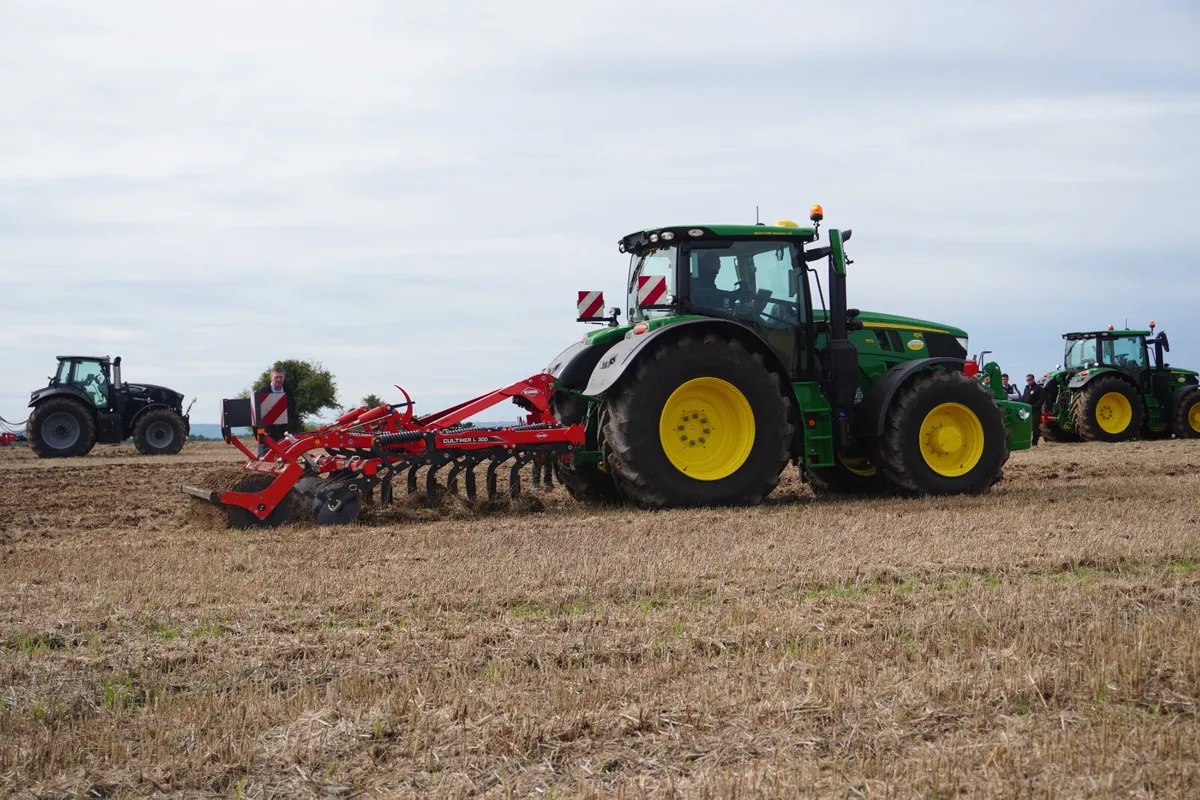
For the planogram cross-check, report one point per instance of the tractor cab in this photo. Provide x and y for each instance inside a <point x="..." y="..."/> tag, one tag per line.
<point x="89" y="377"/>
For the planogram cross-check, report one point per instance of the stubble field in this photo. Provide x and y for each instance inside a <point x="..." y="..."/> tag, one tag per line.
<point x="1042" y="639"/>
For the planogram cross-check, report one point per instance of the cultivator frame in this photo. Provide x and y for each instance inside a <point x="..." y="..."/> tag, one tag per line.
<point x="366" y="449"/>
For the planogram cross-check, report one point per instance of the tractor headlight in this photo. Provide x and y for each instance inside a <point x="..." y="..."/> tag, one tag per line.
<point x="667" y="236"/>
<point x="962" y="342"/>
<point x="654" y="237"/>
<point x="1023" y="414"/>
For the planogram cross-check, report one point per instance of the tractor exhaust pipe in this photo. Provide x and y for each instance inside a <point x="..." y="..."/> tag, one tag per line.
<point x="116" y="371"/>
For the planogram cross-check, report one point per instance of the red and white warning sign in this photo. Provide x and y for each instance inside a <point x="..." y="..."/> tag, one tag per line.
<point x="272" y="408"/>
<point x="591" y="305"/>
<point x="652" y="289"/>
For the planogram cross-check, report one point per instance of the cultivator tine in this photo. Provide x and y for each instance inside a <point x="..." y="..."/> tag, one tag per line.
<point x="469" y="483"/>
<point x="514" y="480"/>
<point x="491" y="479"/>
<point x="452" y="478"/>
<point x="431" y="485"/>
<point x="412" y="478"/>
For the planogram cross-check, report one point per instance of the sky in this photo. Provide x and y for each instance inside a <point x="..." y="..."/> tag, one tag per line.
<point x="412" y="193"/>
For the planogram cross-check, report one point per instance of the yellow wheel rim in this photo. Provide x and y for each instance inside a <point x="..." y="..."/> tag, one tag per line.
<point x="1113" y="412"/>
<point x="1194" y="417"/>
<point x="951" y="439"/>
<point x="860" y="466"/>
<point x="707" y="429"/>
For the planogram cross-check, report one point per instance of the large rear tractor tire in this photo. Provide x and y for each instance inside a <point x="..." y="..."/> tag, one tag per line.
<point x="849" y="476"/>
<point x="1107" y="410"/>
<point x="1186" y="421"/>
<point x="586" y="483"/>
<point x="701" y="421"/>
<point x="61" y="427"/>
<point x="944" y="435"/>
<point x="159" y="432"/>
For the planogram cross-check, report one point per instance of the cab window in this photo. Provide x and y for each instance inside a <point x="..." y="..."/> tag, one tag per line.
<point x="751" y="280"/>
<point x="89" y="376"/>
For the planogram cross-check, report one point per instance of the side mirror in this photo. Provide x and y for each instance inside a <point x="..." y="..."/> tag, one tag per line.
<point x="851" y="313"/>
<point x="1162" y="339"/>
<point x="817" y="253"/>
<point x="846" y="235"/>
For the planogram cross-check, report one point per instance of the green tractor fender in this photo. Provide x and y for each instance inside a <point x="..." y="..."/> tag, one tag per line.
<point x="1082" y="379"/>
<point x="625" y="353"/>
<point x="871" y="414"/>
<point x="573" y="367"/>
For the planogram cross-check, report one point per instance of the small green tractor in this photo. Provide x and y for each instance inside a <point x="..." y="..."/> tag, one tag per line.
<point x="1115" y="385"/>
<point x="727" y="370"/>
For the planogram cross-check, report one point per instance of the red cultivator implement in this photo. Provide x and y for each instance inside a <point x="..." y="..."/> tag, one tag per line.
<point x="331" y="470"/>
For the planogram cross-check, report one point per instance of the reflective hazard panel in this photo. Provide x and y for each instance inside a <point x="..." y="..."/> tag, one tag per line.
<point x="272" y="408"/>
<point x="652" y="289"/>
<point x="591" y="305"/>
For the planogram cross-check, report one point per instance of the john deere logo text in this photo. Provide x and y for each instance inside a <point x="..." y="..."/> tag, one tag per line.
<point x="915" y="344"/>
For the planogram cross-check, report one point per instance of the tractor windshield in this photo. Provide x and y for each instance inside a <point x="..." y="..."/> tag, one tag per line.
<point x="651" y="264"/>
<point x="1081" y="354"/>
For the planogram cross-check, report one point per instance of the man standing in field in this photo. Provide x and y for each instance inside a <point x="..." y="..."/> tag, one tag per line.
<point x="1033" y="396"/>
<point x="292" y="421"/>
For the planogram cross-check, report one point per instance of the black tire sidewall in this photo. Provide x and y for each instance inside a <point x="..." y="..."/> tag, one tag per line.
<point x="1103" y="385"/>
<point x="1182" y="428"/>
<point x="57" y="405"/>
<point x="930" y="394"/>
<point x="141" y="437"/>
<point x="671" y="367"/>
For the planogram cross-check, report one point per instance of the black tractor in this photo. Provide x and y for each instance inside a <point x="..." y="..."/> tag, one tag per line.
<point x="86" y="402"/>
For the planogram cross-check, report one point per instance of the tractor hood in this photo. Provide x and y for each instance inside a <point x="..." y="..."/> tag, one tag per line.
<point x="154" y="392"/>
<point x="879" y="319"/>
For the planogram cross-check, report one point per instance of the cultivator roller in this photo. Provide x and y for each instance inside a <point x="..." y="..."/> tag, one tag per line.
<point x="331" y="472"/>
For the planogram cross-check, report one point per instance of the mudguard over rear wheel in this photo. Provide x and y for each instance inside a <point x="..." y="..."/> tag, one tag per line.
<point x="944" y="435"/>
<point x="1107" y="410"/>
<point x="701" y="421"/>
<point x="61" y="427"/>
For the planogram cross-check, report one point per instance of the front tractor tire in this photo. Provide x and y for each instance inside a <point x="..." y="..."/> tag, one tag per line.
<point x="1108" y="410"/>
<point x="61" y="427"/>
<point x="1052" y="432"/>
<point x="700" y="421"/>
<point x="158" y="432"/>
<point x="944" y="434"/>
<point x="1186" y="420"/>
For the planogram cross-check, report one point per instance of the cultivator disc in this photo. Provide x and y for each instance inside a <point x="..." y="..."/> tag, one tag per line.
<point x="333" y="472"/>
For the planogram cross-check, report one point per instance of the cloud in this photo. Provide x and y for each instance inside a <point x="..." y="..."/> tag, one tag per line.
<point x="413" y="193"/>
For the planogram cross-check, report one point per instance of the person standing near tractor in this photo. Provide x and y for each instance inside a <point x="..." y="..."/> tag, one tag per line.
<point x="1033" y="396"/>
<point x="1010" y="390"/>
<point x="290" y="421"/>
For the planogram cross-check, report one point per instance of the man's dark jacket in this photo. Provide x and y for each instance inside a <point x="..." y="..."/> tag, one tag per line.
<point x="1032" y="395"/>
<point x="277" y="432"/>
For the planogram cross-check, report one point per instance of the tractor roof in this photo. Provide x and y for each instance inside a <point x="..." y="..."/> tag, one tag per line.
<point x="1114" y="334"/>
<point x="640" y="240"/>
<point x="83" y="358"/>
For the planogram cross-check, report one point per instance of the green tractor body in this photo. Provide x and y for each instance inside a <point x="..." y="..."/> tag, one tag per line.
<point x="731" y="367"/>
<point x="1115" y="385"/>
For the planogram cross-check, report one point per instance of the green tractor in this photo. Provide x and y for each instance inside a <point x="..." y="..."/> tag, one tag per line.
<point x="1115" y="385"/>
<point x="727" y="371"/>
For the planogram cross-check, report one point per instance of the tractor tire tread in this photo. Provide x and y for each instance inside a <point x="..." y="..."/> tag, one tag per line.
<point x="1086" y="424"/>
<point x="627" y="450"/>
<point x="87" y="423"/>
<point x="906" y="471"/>
<point x="1180" y="425"/>
<point x="141" y="429"/>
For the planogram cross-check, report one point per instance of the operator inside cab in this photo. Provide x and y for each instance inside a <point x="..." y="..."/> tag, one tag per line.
<point x="704" y="284"/>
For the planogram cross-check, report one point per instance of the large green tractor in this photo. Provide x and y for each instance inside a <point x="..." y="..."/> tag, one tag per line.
<point x="726" y="372"/>
<point x="1115" y="385"/>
